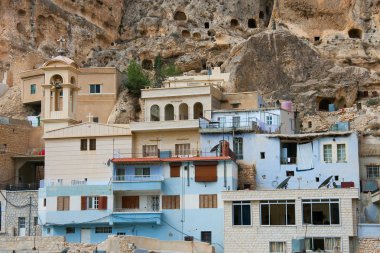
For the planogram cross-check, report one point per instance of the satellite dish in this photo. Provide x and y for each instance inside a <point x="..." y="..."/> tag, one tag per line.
<point x="326" y="182"/>
<point x="283" y="184"/>
<point x="215" y="148"/>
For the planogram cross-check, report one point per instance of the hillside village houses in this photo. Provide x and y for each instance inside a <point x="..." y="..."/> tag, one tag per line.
<point x="230" y="169"/>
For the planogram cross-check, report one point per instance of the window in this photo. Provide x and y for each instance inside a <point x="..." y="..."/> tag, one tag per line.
<point x="238" y="147"/>
<point x="94" y="202"/>
<point x="94" y="88"/>
<point x="63" y="203"/>
<point x="70" y="230"/>
<point x="170" y="202"/>
<point x="277" y="247"/>
<point x="222" y="121"/>
<point x="21" y="222"/>
<point x="321" y="211"/>
<point x="103" y="230"/>
<point x="325" y="244"/>
<point x="341" y="152"/>
<point x="373" y="171"/>
<point x="327" y="153"/>
<point x="92" y="144"/>
<point x="154" y="113"/>
<point x="208" y="201"/>
<point x="95" y="119"/>
<point x="206" y="236"/>
<point x="206" y="171"/>
<point x="120" y="233"/>
<point x="241" y="213"/>
<point x="289" y="152"/>
<point x="278" y="212"/>
<point x="269" y="120"/>
<point x="262" y="155"/>
<point x="83" y="144"/>
<point x="150" y="150"/>
<point x="175" y="169"/>
<point x="3" y="148"/>
<point x="44" y="204"/>
<point x="35" y="221"/>
<point x="32" y="89"/>
<point x="142" y="172"/>
<point x="182" y="149"/>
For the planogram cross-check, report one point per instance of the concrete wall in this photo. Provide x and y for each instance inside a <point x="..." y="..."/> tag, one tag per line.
<point x="121" y="244"/>
<point x="246" y="100"/>
<point x="256" y="237"/>
<point x="50" y="244"/>
<point x="270" y="172"/>
<point x="64" y="159"/>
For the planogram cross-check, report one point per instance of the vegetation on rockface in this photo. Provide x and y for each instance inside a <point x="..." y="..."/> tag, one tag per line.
<point x="137" y="79"/>
<point x="163" y="70"/>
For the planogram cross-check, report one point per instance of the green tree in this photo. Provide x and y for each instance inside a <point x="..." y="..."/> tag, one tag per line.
<point x="158" y="75"/>
<point x="171" y="70"/>
<point x="137" y="79"/>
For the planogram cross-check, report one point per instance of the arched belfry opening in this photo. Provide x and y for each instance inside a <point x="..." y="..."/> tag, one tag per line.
<point x="183" y="112"/>
<point x="198" y="110"/>
<point x="169" y="112"/>
<point x="56" y="82"/>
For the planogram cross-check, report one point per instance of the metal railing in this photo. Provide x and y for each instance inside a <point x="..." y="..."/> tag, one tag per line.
<point x="150" y="209"/>
<point x="65" y="182"/>
<point x="20" y="186"/>
<point x="253" y="124"/>
<point x="137" y="178"/>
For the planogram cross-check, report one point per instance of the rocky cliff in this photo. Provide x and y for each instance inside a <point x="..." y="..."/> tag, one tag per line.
<point x="302" y="50"/>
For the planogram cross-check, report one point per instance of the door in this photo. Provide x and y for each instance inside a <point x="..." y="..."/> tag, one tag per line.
<point x="21" y="226"/>
<point x="85" y="235"/>
<point x="130" y="202"/>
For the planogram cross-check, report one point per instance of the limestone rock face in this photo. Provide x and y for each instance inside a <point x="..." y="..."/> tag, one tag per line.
<point x="315" y="47"/>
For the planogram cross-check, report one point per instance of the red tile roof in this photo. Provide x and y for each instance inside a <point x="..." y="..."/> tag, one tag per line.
<point x="172" y="159"/>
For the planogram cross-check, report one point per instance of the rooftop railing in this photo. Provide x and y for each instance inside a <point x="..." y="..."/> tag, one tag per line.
<point x="253" y="124"/>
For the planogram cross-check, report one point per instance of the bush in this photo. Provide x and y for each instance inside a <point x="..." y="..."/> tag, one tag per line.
<point x="372" y="101"/>
<point x="137" y="79"/>
<point x="171" y="70"/>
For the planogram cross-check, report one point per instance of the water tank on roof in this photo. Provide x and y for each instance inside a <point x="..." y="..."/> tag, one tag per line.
<point x="286" y="105"/>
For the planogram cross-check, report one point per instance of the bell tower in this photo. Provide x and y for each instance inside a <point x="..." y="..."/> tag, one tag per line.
<point x="60" y="92"/>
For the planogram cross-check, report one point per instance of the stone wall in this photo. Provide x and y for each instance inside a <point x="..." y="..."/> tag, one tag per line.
<point x="247" y="176"/>
<point x="21" y="204"/>
<point x="48" y="244"/>
<point x="16" y="139"/>
<point x="369" y="245"/>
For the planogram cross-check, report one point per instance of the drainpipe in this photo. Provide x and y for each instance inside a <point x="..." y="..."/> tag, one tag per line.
<point x="30" y="212"/>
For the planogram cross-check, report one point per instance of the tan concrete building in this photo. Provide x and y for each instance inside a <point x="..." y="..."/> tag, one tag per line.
<point x="62" y="90"/>
<point x="268" y="220"/>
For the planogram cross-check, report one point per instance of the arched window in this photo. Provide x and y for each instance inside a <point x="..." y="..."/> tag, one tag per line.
<point x="56" y="83"/>
<point x="72" y="80"/>
<point x="56" y="80"/>
<point x="198" y="110"/>
<point x="154" y="113"/>
<point x="183" y="112"/>
<point x="169" y="112"/>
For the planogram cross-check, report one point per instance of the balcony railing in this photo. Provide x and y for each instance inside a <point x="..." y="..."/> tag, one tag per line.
<point x="65" y="182"/>
<point x="20" y="187"/>
<point x="137" y="178"/>
<point x="253" y="124"/>
<point x="140" y="210"/>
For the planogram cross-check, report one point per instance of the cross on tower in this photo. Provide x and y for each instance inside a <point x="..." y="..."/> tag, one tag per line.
<point x="90" y="117"/>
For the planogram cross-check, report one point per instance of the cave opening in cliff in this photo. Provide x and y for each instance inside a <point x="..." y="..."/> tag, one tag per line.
<point x="147" y="64"/>
<point x="252" y="23"/>
<point x="261" y="15"/>
<point x="180" y="15"/>
<point x="234" y="22"/>
<point x="196" y="36"/>
<point x="355" y="33"/>
<point x="211" y="32"/>
<point x="324" y="103"/>
<point x="341" y="103"/>
<point x="207" y="25"/>
<point x="317" y="38"/>
<point x="185" y="34"/>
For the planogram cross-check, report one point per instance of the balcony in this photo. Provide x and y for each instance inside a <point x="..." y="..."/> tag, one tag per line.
<point x="249" y="125"/>
<point x="137" y="217"/>
<point x="164" y="125"/>
<point x="137" y="182"/>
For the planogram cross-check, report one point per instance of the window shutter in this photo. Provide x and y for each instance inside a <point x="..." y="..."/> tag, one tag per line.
<point x="171" y="202"/>
<point x="66" y="203"/>
<point x="83" y="203"/>
<point x="175" y="169"/>
<point x="60" y="203"/>
<point x="83" y="144"/>
<point x="130" y="202"/>
<point x="92" y="144"/>
<point x="103" y="203"/>
<point x="206" y="172"/>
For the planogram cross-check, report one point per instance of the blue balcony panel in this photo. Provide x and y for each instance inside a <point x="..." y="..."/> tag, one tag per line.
<point x="137" y="217"/>
<point x="137" y="186"/>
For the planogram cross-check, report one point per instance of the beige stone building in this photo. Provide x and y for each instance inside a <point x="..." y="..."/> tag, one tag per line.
<point x="61" y="90"/>
<point x="270" y="220"/>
